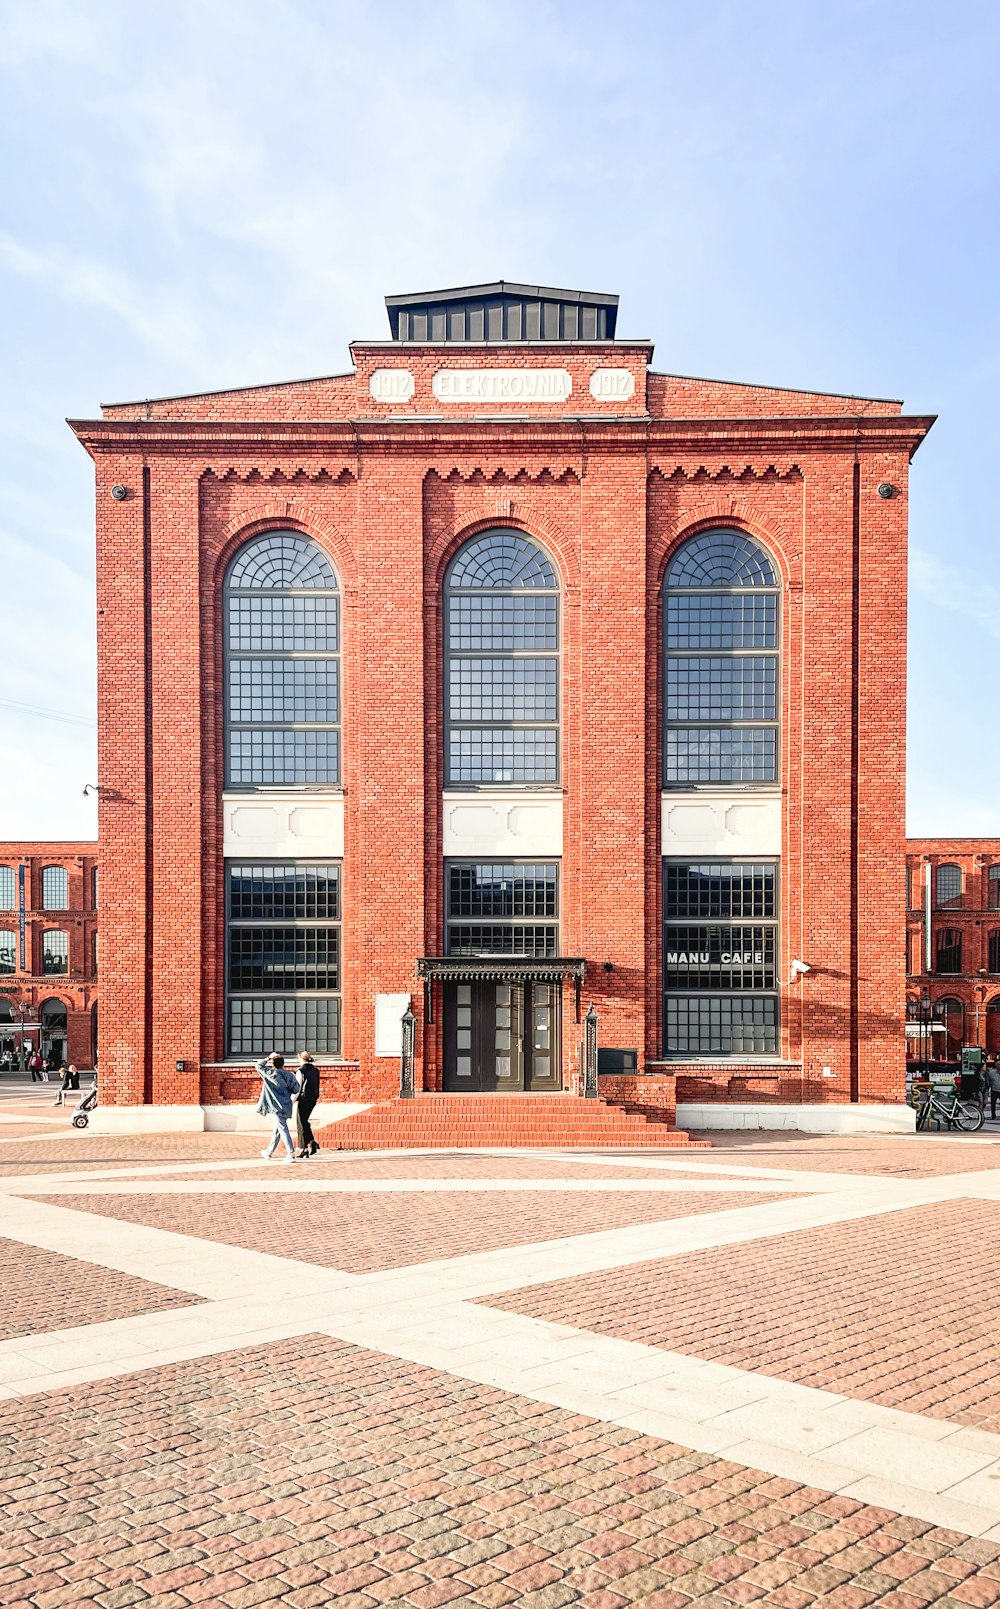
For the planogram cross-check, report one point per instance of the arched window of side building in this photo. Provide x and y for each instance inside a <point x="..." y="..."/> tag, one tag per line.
<point x="994" y="951"/>
<point x="55" y="894"/>
<point x="282" y="643"/>
<point x="55" y="952"/>
<point x="947" y="887"/>
<point x="994" y="888"/>
<point x="6" y="888"/>
<point x="993" y="1027"/>
<point x="720" y="700"/>
<point x="501" y="685"/>
<point x="8" y="950"/>
<point x="948" y="951"/>
<point x="952" y="1013"/>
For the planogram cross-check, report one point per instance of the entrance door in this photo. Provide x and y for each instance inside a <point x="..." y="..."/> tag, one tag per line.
<point x="501" y="1036"/>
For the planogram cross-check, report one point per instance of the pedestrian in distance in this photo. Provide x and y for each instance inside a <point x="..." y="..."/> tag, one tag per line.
<point x="992" y="1072"/>
<point x="278" y="1086"/>
<point x="35" y="1064"/>
<point x="308" y="1096"/>
<point x="65" y="1074"/>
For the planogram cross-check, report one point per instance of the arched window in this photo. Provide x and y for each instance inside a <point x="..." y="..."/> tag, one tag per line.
<point x="994" y="950"/>
<point x="947" y="887"/>
<point x="55" y="952"/>
<point x="952" y="1013"/>
<point x="720" y="663"/>
<point x="948" y="949"/>
<point x="282" y="628"/>
<point x="994" y="888"/>
<point x="93" y="889"/>
<point x="55" y="896"/>
<point x="501" y="636"/>
<point x="7" y="888"/>
<point x="8" y="950"/>
<point x="993" y="1027"/>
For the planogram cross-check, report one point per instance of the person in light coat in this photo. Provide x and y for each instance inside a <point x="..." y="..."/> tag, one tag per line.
<point x="277" y="1088"/>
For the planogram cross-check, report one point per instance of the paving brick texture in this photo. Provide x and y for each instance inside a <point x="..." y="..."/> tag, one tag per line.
<point x="82" y="1149"/>
<point x="363" y="1234"/>
<point x="42" y="1290"/>
<point x="925" y="1156"/>
<point x="313" y="1472"/>
<point x="899" y="1309"/>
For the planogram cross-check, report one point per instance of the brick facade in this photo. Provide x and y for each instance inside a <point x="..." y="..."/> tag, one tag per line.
<point x="36" y="987"/>
<point x="973" y="915"/>
<point x="390" y="494"/>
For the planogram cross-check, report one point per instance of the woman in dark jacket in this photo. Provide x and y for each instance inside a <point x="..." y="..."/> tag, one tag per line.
<point x="308" y="1096"/>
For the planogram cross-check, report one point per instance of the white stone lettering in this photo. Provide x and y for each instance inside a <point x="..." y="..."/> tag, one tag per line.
<point x="391" y="385"/>
<point x="502" y="385"/>
<point x="612" y="385"/>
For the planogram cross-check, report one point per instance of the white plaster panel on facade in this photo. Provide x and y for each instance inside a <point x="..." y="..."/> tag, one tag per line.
<point x="502" y="385"/>
<point x="612" y="385"/>
<point x="283" y="824"/>
<point x="389" y="1009"/>
<point x="391" y="385"/>
<point x="706" y="823"/>
<point x="479" y="824"/>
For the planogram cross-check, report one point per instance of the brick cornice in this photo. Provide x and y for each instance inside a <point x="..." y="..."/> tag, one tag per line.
<point x="664" y="439"/>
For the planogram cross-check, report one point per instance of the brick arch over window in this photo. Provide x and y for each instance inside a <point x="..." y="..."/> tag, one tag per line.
<point x="729" y="515"/>
<point x="507" y="515"/>
<point x="286" y="514"/>
<point x="281" y="642"/>
<point x="501" y="654"/>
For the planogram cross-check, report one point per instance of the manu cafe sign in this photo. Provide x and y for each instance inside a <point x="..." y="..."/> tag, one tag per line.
<point x="715" y="958"/>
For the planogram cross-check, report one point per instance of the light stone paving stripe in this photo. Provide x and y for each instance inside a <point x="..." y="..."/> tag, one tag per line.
<point x="296" y="1184"/>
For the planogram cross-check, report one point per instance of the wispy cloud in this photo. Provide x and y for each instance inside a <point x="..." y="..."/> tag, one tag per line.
<point x="962" y="592"/>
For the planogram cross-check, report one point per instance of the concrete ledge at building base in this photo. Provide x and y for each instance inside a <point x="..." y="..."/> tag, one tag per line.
<point x="859" y="1119"/>
<point x="199" y="1119"/>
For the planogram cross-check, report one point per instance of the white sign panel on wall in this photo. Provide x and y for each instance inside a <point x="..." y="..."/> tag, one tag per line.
<point x="612" y="385"/>
<point x="391" y="385"/>
<point x="502" y="385"/>
<point x="389" y="1010"/>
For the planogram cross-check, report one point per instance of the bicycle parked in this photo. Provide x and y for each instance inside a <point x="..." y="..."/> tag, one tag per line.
<point x="941" y="1103"/>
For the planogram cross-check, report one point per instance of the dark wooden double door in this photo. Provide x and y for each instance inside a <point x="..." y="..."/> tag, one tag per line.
<point x="501" y="1036"/>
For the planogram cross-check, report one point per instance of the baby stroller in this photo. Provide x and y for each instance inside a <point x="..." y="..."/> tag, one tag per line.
<point x="80" y="1118"/>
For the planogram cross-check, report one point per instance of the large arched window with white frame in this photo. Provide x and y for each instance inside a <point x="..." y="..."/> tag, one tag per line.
<point x="501" y="684"/>
<point x="282" y="646"/>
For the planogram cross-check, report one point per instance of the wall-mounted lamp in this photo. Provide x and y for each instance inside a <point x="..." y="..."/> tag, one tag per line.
<point x="798" y="968"/>
<point x="119" y="493"/>
<point x="180" y="1066"/>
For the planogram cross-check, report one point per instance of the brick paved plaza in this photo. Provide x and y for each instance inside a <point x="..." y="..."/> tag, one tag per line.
<point x="764" y="1373"/>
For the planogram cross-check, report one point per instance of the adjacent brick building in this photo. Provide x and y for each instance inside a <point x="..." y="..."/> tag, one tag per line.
<point x="48" y="950"/>
<point x="952" y="945"/>
<point x="502" y="675"/>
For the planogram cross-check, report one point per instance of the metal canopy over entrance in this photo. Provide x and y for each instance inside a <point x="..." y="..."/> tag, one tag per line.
<point x="502" y="1019"/>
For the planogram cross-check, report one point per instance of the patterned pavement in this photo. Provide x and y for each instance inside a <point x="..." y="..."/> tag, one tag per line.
<point x="767" y="1376"/>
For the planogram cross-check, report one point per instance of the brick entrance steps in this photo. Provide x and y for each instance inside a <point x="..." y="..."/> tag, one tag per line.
<point x="499" y="1120"/>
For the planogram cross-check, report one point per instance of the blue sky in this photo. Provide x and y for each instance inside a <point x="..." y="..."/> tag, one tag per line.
<point x="212" y="194"/>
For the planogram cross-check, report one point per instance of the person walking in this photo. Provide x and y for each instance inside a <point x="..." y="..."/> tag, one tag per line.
<point x="992" y="1072"/>
<point x="308" y="1096"/>
<point x="278" y="1086"/>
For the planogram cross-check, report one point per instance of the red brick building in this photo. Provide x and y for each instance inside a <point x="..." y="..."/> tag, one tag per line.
<point x="953" y="945"/>
<point x="48" y="950"/>
<point x="503" y="674"/>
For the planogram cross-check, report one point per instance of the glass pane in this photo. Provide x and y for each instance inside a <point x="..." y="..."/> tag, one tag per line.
<point x="493" y="689"/>
<point x="721" y="558"/>
<point x="525" y="622"/>
<point x="731" y="1025"/>
<point x="724" y="621"/>
<point x="284" y="625"/>
<point x="6" y="888"/>
<point x="55" y="953"/>
<point x="721" y="754"/>
<point x="283" y="958"/>
<point x="280" y="561"/>
<point x="504" y="559"/>
<point x="269" y="893"/>
<point x="502" y="939"/>
<point x="284" y="690"/>
<point x="702" y="687"/>
<point x="54" y="888"/>
<point x="501" y="889"/>
<point x="258" y="1026"/>
<point x="719" y="888"/>
<point x="282" y="756"/>
<point x="8" y="951"/>
<point x="502" y="756"/>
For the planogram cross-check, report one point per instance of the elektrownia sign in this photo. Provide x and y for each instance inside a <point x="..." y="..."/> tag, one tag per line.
<point x="502" y="385"/>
